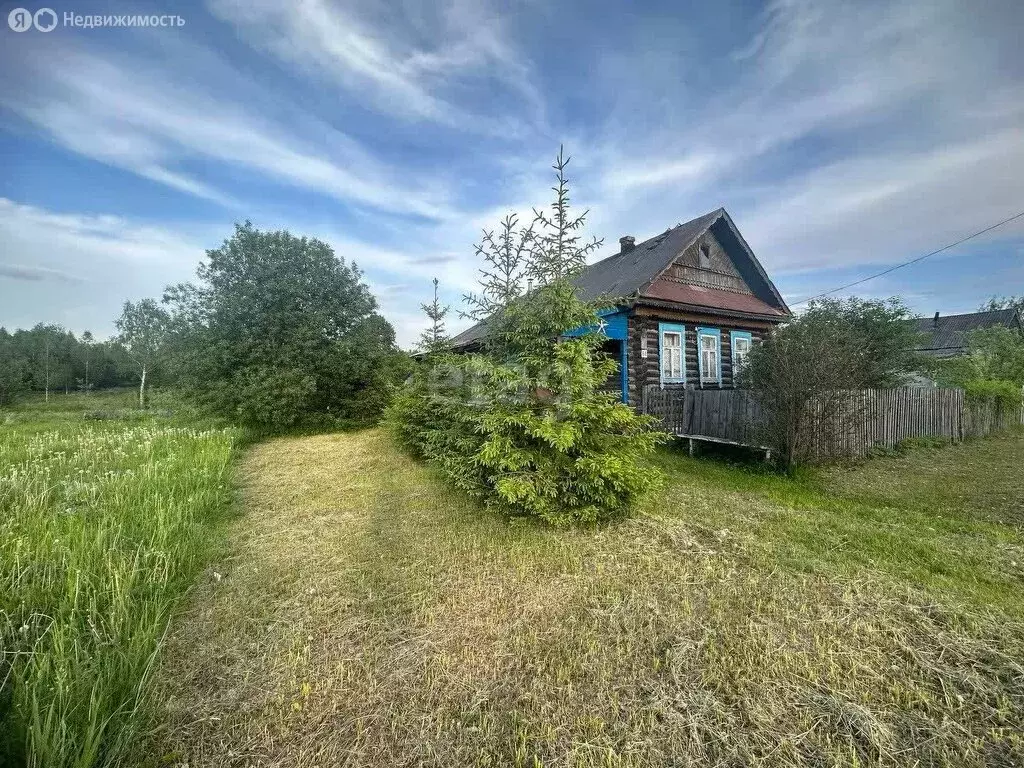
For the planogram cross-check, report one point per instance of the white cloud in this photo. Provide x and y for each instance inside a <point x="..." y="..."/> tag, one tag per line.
<point x="887" y="208"/>
<point x="839" y="135"/>
<point x="109" y="259"/>
<point x="78" y="269"/>
<point x="122" y="113"/>
<point x="403" y="63"/>
<point x="690" y="168"/>
<point x="850" y="134"/>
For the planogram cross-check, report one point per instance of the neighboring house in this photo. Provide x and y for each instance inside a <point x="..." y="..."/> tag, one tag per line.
<point x="946" y="336"/>
<point x="689" y="304"/>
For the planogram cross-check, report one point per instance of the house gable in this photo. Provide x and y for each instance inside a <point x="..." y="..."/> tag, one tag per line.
<point x="708" y="276"/>
<point x="705" y="263"/>
<point x="714" y="269"/>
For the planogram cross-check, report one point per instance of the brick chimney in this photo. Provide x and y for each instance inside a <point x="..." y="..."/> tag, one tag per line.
<point x="935" y="320"/>
<point x="627" y="243"/>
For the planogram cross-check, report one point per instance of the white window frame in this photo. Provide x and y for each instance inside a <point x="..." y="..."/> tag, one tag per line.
<point x="740" y="360"/>
<point x="666" y="353"/>
<point x="716" y="335"/>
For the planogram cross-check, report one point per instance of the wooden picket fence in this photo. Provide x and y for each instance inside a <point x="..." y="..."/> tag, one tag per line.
<point x="863" y="419"/>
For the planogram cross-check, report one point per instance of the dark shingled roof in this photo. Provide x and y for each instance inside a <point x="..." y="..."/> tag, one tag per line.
<point x="946" y="335"/>
<point x="625" y="274"/>
<point x="628" y="275"/>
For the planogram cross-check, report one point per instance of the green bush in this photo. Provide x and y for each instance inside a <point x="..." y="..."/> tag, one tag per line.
<point x="526" y="426"/>
<point x="280" y="333"/>
<point x="533" y="434"/>
<point x="996" y="354"/>
<point x="274" y="398"/>
<point x="1004" y="393"/>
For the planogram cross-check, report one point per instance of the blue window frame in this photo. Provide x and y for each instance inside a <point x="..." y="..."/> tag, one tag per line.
<point x="672" y="353"/>
<point x="709" y="355"/>
<point x="742" y="342"/>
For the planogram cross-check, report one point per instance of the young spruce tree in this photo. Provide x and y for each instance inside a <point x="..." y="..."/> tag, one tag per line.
<point x="506" y="256"/>
<point x="434" y="339"/>
<point x="527" y="426"/>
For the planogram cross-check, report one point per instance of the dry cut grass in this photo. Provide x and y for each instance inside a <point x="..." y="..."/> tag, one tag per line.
<point x="370" y="617"/>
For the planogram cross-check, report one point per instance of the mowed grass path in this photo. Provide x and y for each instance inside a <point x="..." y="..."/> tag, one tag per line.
<point x="368" y="616"/>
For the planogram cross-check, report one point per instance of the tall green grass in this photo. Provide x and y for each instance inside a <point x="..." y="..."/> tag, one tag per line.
<point x="103" y="526"/>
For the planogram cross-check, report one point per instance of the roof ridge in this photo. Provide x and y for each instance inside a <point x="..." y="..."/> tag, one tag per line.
<point x="661" y="235"/>
<point x="969" y="314"/>
<point x="711" y="217"/>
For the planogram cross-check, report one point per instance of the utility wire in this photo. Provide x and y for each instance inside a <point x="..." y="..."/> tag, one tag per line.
<point x="908" y="263"/>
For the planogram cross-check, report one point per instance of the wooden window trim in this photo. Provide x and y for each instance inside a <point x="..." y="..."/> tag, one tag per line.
<point x="664" y="328"/>
<point x="735" y="336"/>
<point x="716" y="334"/>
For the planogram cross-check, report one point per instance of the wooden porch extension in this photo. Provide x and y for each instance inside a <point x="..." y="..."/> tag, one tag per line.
<point x="726" y="416"/>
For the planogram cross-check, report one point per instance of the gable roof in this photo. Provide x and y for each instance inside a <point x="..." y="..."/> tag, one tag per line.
<point x="947" y="334"/>
<point x="629" y="275"/>
<point x="625" y="274"/>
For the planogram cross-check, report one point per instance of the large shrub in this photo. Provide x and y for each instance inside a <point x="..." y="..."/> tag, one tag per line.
<point x="526" y="425"/>
<point x="1006" y="394"/>
<point x="278" y="332"/>
<point x="803" y="372"/>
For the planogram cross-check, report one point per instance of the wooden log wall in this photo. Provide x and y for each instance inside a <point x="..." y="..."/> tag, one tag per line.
<point x="645" y="371"/>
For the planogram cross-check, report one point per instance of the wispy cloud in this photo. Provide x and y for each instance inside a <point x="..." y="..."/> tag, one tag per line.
<point x="411" y="63"/>
<point x="127" y="259"/>
<point x="840" y="136"/>
<point x="848" y="134"/>
<point x="37" y="235"/>
<point x="78" y="269"/>
<point x="120" y="111"/>
<point x="37" y="274"/>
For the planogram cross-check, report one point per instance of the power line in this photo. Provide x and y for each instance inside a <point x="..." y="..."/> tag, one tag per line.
<point x="908" y="263"/>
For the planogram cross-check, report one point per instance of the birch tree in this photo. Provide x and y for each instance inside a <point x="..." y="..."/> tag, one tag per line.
<point x="142" y="329"/>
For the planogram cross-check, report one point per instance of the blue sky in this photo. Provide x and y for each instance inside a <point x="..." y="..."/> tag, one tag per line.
<point x="842" y="137"/>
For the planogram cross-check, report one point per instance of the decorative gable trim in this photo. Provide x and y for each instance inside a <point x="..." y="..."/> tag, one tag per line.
<point x="754" y="260"/>
<point x="714" y="216"/>
<point x="707" y="264"/>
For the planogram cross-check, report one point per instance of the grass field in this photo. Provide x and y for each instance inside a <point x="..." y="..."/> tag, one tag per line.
<point x="105" y="516"/>
<point x="368" y="616"/>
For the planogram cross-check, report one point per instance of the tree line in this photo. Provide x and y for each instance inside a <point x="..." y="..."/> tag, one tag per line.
<point x="49" y="358"/>
<point x="276" y="332"/>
